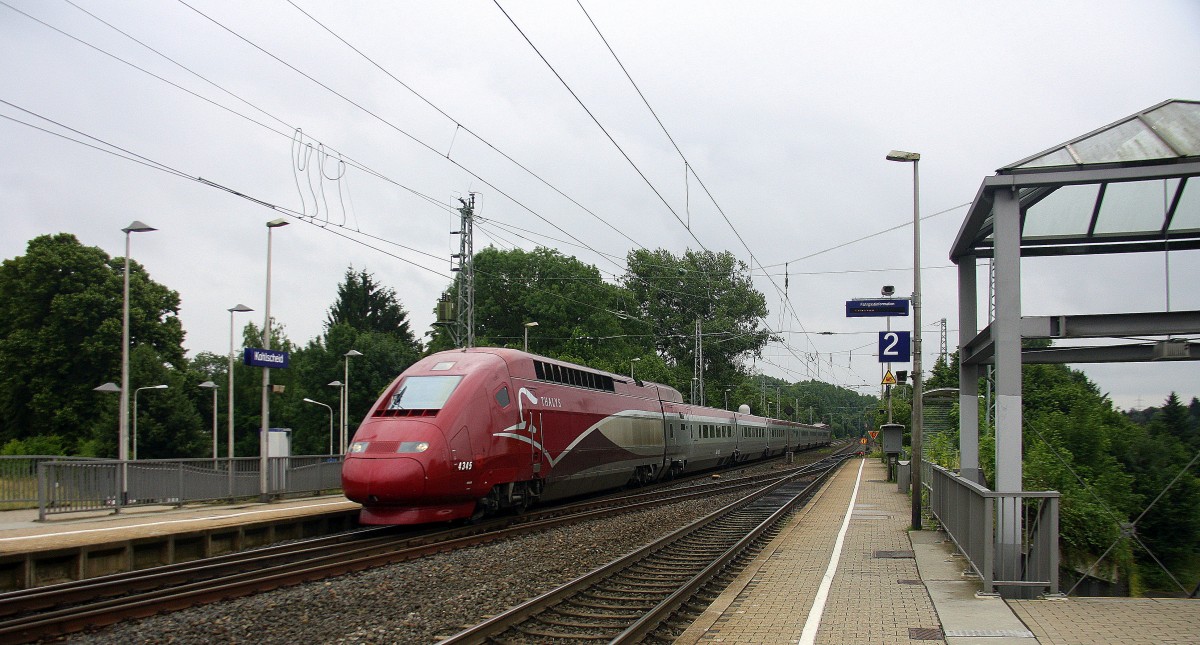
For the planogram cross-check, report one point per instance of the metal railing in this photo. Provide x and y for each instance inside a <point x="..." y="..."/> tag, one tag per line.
<point x="18" y="479"/>
<point x="982" y="524"/>
<point x="65" y="486"/>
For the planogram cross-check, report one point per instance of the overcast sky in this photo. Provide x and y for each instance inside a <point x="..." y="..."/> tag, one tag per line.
<point x="783" y="110"/>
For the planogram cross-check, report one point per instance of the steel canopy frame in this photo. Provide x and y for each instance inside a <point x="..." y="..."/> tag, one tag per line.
<point x="1159" y="144"/>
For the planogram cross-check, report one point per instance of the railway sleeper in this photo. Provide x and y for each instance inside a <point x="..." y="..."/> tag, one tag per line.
<point x="610" y="614"/>
<point x="574" y="636"/>
<point x="638" y="603"/>
<point x="668" y="574"/>
<point x="583" y="600"/>
<point x="618" y="597"/>
<point x="637" y="595"/>
<point x="648" y="585"/>
<point x="588" y="621"/>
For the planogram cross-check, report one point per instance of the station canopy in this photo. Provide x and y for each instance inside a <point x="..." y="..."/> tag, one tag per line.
<point x="1119" y="189"/>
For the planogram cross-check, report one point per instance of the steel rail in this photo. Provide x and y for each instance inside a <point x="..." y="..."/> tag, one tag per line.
<point x="494" y="627"/>
<point x="175" y="586"/>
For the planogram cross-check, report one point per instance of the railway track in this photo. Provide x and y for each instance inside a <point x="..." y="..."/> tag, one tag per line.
<point x="651" y="595"/>
<point x="45" y="612"/>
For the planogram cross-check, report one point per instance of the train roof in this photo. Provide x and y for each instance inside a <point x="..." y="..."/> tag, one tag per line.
<point x="536" y="367"/>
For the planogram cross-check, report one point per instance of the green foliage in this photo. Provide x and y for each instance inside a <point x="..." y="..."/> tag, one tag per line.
<point x="365" y="305"/>
<point x="671" y="293"/>
<point x="60" y="336"/>
<point x="49" y="445"/>
<point x="578" y="314"/>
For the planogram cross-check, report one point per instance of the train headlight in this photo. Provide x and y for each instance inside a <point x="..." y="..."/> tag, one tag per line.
<point x="358" y="446"/>
<point x="413" y="446"/>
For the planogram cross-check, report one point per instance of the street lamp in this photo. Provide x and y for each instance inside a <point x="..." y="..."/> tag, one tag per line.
<point x="213" y="386"/>
<point x="108" y="388"/>
<point x="123" y="414"/>
<point x="726" y="398"/>
<point x="308" y="400"/>
<point x="527" y="326"/>
<point x="135" y="393"/>
<point x="631" y="362"/>
<point x="917" y="403"/>
<point x="238" y="308"/>
<point x="341" y="406"/>
<point x="346" y="399"/>
<point x="263" y="437"/>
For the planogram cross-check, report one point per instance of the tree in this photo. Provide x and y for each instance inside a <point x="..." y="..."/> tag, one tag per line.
<point x="365" y="305"/>
<point x="579" y="316"/>
<point x="673" y="293"/>
<point x="60" y="337"/>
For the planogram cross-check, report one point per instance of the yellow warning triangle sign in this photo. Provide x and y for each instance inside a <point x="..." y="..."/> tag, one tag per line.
<point x="888" y="379"/>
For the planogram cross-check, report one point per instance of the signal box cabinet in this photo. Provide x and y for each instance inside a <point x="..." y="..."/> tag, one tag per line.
<point x="893" y="437"/>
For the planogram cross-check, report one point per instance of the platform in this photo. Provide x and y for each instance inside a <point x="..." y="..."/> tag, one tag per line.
<point x="72" y="546"/>
<point x="846" y="570"/>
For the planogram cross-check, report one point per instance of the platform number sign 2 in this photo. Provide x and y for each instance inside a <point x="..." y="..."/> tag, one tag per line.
<point x="893" y="346"/>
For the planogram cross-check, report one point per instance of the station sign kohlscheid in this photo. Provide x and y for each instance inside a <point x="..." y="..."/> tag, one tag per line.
<point x="256" y="357"/>
<point x="877" y="307"/>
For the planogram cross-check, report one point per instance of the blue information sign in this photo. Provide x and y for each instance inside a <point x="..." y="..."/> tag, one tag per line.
<point x="877" y="307"/>
<point x="255" y="357"/>
<point x="893" y="347"/>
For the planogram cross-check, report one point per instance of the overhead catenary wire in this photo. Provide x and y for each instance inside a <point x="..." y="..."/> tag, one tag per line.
<point x="381" y="119"/>
<point x="600" y="125"/>
<point x="460" y="126"/>
<point x="443" y="206"/>
<point x="687" y="166"/>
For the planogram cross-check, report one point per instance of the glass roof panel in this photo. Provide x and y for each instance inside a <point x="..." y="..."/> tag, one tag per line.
<point x="1168" y="130"/>
<point x="1132" y="140"/>
<point x="1187" y="213"/>
<point x="1066" y="211"/>
<point x="1059" y="157"/>
<point x="1136" y="206"/>
<point x="1179" y="123"/>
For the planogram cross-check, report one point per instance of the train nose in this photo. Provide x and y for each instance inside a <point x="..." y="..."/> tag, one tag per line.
<point x="387" y="481"/>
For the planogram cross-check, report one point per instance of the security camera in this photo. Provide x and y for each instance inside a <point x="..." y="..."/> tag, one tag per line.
<point x="887" y="290"/>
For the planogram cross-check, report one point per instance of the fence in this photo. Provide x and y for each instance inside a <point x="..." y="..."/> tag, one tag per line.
<point x="981" y="523"/>
<point x="65" y="486"/>
<point x="18" y="479"/>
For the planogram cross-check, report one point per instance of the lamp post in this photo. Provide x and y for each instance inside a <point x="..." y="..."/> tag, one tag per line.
<point x="123" y="413"/>
<point x="917" y="403"/>
<point x="527" y="326"/>
<point x="263" y="438"/>
<point x="341" y="406"/>
<point x="238" y="308"/>
<point x="326" y="406"/>
<point x="135" y="393"/>
<point x="213" y="386"/>
<point x="726" y="398"/>
<point x="631" y="362"/>
<point x="346" y="397"/>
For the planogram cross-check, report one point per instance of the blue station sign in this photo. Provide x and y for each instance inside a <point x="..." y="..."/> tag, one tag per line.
<point x="894" y="347"/>
<point x="256" y="357"/>
<point x="877" y="307"/>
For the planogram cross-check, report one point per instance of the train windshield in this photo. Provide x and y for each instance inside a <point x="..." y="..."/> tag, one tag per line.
<point x="423" y="393"/>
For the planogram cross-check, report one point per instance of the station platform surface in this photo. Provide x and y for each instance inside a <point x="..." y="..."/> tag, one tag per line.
<point x="21" y="532"/>
<point x="846" y="570"/>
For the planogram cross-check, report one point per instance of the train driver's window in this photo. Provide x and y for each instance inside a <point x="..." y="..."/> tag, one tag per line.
<point x="502" y="397"/>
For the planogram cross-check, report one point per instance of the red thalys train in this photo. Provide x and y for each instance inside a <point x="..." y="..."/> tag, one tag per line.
<point x="469" y="432"/>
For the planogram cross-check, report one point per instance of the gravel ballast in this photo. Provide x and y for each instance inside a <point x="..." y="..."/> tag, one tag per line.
<point x="419" y="601"/>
